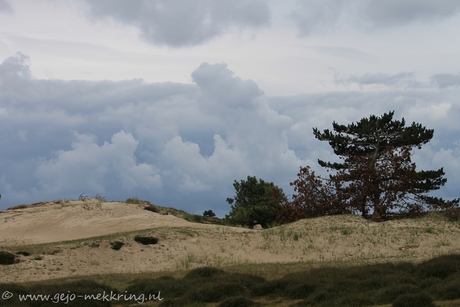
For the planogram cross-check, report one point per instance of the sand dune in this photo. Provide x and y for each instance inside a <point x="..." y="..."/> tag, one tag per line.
<point x="47" y="230"/>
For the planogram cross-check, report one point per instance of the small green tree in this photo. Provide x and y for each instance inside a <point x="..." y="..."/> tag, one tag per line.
<point x="255" y="202"/>
<point x="209" y="213"/>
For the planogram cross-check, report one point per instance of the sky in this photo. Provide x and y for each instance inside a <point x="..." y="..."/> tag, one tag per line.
<point x="172" y="101"/>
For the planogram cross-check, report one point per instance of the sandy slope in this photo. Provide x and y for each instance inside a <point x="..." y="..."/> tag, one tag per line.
<point x="184" y="245"/>
<point x="51" y="222"/>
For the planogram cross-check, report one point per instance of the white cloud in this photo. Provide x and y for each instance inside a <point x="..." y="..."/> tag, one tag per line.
<point x="181" y="23"/>
<point x="403" y="79"/>
<point x="93" y="168"/>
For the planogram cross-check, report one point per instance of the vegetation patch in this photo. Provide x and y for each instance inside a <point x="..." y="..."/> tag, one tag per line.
<point x="23" y="253"/>
<point x="116" y="245"/>
<point x="398" y="285"/>
<point x="6" y="258"/>
<point x="146" y="240"/>
<point x="414" y="300"/>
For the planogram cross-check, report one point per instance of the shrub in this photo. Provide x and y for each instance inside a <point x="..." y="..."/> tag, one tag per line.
<point x="83" y="197"/>
<point x="99" y="197"/>
<point x="152" y="209"/>
<point x="239" y="301"/>
<point x="79" y="287"/>
<point x="247" y="280"/>
<point x="133" y="200"/>
<point x="170" y="287"/>
<point x="391" y="293"/>
<point x="145" y="240"/>
<point x="440" y="267"/>
<point x="180" y="302"/>
<point x="116" y="245"/>
<point x="450" y="291"/>
<point x="356" y="299"/>
<point x="215" y="292"/>
<point x="255" y="202"/>
<point x="6" y="258"/>
<point x="209" y="213"/>
<point x="204" y="272"/>
<point x="194" y="218"/>
<point x="414" y="300"/>
<point x="24" y="253"/>
<point x="301" y="291"/>
<point x="271" y="287"/>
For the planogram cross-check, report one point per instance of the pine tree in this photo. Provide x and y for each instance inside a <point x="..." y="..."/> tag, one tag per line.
<point x="376" y="173"/>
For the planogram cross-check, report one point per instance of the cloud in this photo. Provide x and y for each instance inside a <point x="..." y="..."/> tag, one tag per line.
<point x="110" y="164"/>
<point x="5" y="7"/>
<point x="313" y="16"/>
<point x="403" y="79"/>
<point x="219" y="85"/>
<point x="395" y="13"/>
<point x="183" y="145"/>
<point x="446" y="80"/>
<point x="182" y="23"/>
<point x="316" y="15"/>
<point x="162" y="140"/>
<point x="16" y="67"/>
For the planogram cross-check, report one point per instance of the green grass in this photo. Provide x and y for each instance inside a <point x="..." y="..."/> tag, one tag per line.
<point x="381" y="284"/>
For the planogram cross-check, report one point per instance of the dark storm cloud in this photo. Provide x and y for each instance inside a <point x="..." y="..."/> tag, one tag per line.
<point x="446" y="80"/>
<point x="183" y="145"/>
<point x="310" y="16"/>
<point x="180" y="23"/>
<point x="161" y="141"/>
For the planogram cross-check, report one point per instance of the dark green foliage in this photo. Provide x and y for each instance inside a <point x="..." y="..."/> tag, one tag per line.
<point x="204" y="272"/>
<point x="255" y="202"/>
<point x="209" y="213"/>
<point x="181" y="302"/>
<point x="147" y="205"/>
<point x="80" y="287"/>
<point x="376" y="174"/>
<point x="239" y="301"/>
<point x="145" y="240"/>
<point x="195" y="218"/>
<point x="170" y="287"/>
<point x="272" y="287"/>
<point x="116" y="245"/>
<point x="403" y="284"/>
<point x="300" y="291"/>
<point x="414" y="300"/>
<point x="151" y="208"/>
<point x="440" y="267"/>
<point x="356" y="299"/>
<point x="16" y="290"/>
<point x="6" y="258"/>
<point x="392" y="292"/>
<point x="216" y="291"/>
<point x="449" y="291"/>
